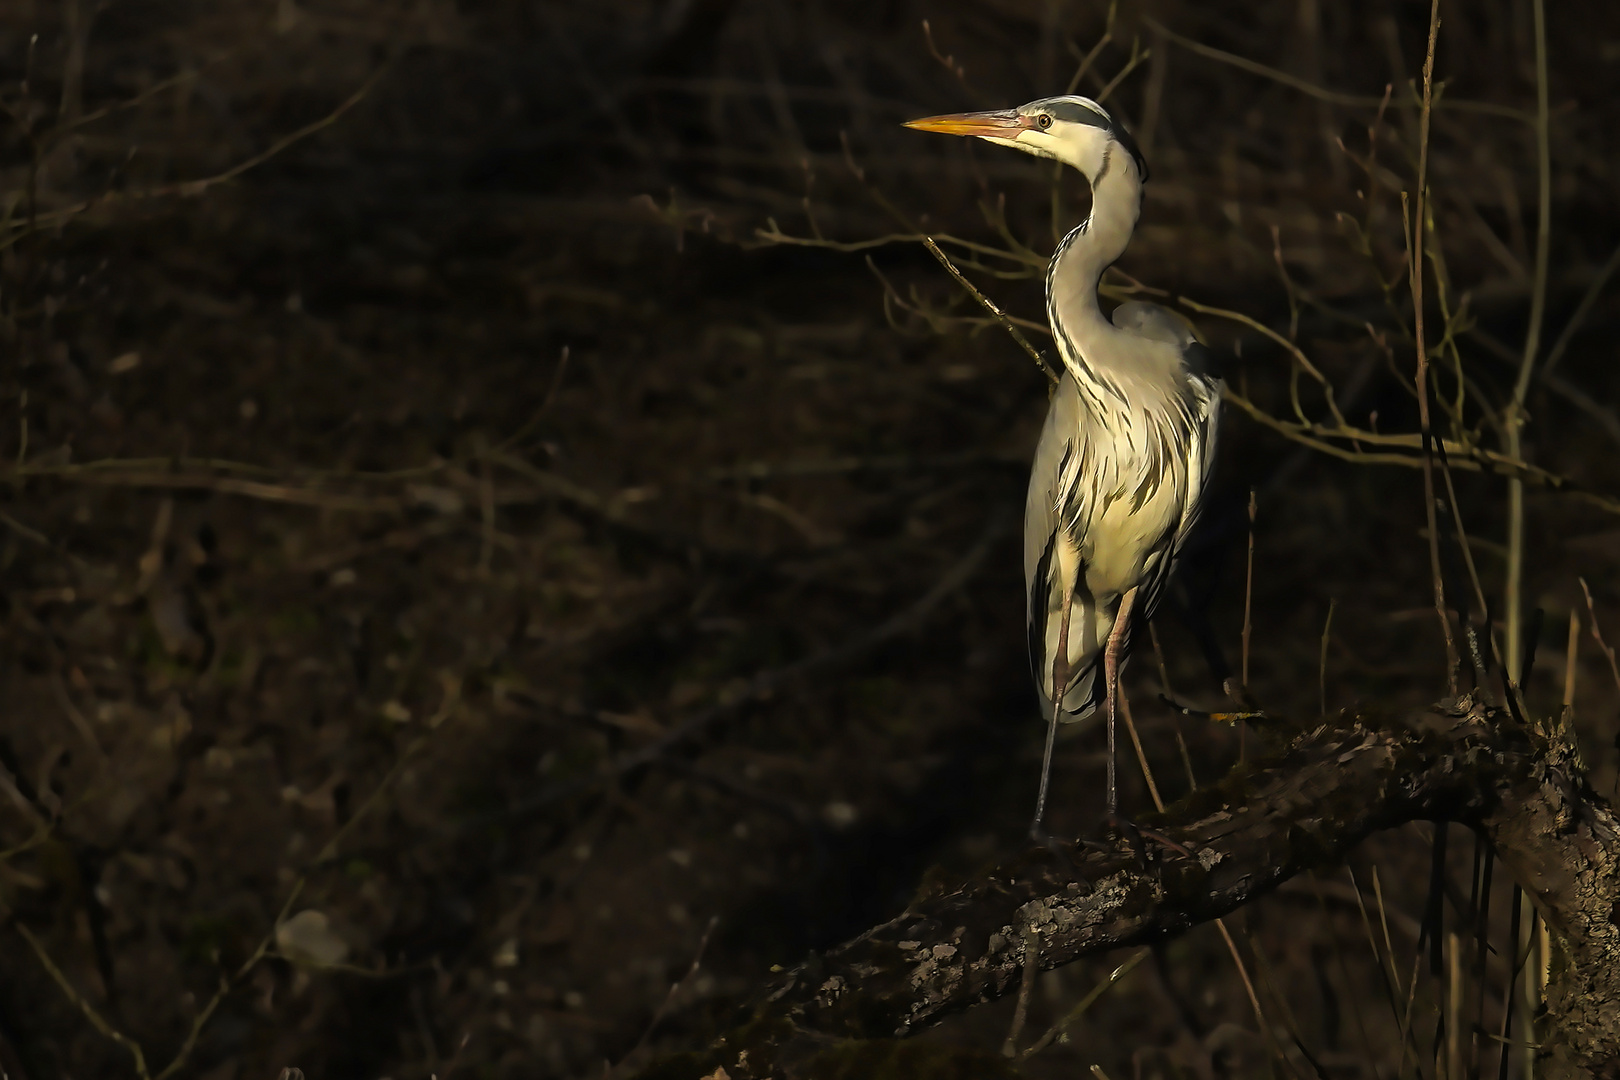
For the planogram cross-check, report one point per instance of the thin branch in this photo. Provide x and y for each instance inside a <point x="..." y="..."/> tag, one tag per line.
<point x="1515" y="418"/>
<point x="1417" y="230"/>
<point x="1321" y="667"/>
<point x="773" y="234"/>
<point x="1248" y="986"/>
<point x="1248" y="595"/>
<point x="1138" y="55"/>
<point x="1026" y="987"/>
<point x="1468" y="561"/>
<point x="190" y="465"/>
<point x="1597" y="634"/>
<point x="229" y="485"/>
<point x="1254" y="324"/>
<point x="766" y="683"/>
<point x="1469" y="458"/>
<point x="1141" y="755"/>
<point x="96" y="1019"/>
<point x="1604" y="414"/>
<point x="990" y="306"/>
<point x="1090" y="57"/>
<point x="1332" y="97"/>
<point x="1593" y="291"/>
<point x="1073" y="1015"/>
<point x="225" y="984"/>
<point x="192" y="188"/>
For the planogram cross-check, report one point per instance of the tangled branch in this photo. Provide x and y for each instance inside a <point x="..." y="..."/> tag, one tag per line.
<point x="1315" y="796"/>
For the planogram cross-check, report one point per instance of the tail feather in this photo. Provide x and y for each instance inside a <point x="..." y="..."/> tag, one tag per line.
<point x="1084" y="696"/>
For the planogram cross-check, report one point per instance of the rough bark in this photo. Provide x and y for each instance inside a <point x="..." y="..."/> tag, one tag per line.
<point x="1318" y="793"/>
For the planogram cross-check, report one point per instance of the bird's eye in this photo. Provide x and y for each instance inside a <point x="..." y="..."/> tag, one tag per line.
<point x="1044" y="121"/>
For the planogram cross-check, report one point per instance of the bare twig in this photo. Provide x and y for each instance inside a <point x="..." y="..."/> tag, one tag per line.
<point x="1515" y="417"/>
<point x="1097" y="47"/>
<point x="192" y="188"/>
<point x="947" y="62"/>
<point x="1026" y="987"/>
<point x="1073" y="1015"/>
<point x="1141" y="756"/>
<point x="557" y="375"/>
<point x="232" y="485"/>
<point x="1332" y="97"/>
<point x="674" y="987"/>
<point x="773" y="234"/>
<point x="1259" y="327"/>
<point x="765" y="683"/>
<point x="1248" y="987"/>
<point x="1597" y="634"/>
<point x="1175" y="715"/>
<point x="1417" y="230"/>
<point x="90" y="1013"/>
<point x="1604" y="414"/>
<point x="1571" y="656"/>
<point x="1248" y="593"/>
<point x="1321" y="668"/>
<point x="32" y="535"/>
<point x="200" y="1021"/>
<point x="990" y="306"/>
<point x="1593" y="291"/>
<point x="447" y="706"/>
<point x="1468" y="457"/>
<point x="1138" y="55"/>
<point x="80" y="722"/>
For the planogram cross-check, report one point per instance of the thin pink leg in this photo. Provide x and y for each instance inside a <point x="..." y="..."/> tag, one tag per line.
<point x="1060" y="683"/>
<point x="1113" y="654"/>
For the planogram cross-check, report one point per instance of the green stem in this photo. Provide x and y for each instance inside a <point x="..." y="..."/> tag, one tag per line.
<point x="1532" y="345"/>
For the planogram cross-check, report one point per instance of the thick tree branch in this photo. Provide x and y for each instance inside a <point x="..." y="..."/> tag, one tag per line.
<point x="1318" y="794"/>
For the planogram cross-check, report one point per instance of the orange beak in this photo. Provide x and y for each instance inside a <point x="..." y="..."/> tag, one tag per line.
<point x="1000" y="124"/>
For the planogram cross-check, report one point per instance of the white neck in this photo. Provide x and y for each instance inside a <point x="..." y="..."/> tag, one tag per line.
<point x="1071" y="280"/>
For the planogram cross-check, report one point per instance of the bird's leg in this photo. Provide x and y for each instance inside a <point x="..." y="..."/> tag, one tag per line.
<point x="1112" y="655"/>
<point x="1060" y="683"/>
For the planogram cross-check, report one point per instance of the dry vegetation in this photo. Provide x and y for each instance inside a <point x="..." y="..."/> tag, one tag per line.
<point x="475" y="539"/>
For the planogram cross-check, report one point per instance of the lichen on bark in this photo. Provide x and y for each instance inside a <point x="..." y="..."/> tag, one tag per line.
<point x="1304" y="804"/>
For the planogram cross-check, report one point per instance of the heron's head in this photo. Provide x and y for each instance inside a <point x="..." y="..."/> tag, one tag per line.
<point x="1074" y="130"/>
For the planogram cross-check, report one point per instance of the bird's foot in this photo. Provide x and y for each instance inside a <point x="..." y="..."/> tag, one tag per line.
<point x="1059" y="852"/>
<point x="1130" y="831"/>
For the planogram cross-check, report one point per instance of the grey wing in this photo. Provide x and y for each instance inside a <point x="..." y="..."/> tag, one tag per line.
<point x="1054" y="518"/>
<point x="1201" y="398"/>
<point x="1158" y="323"/>
<point x="1153" y="322"/>
<point x="1204" y="404"/>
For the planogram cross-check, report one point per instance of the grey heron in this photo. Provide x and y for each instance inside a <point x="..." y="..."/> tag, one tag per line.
<point x="1124" y="459"/>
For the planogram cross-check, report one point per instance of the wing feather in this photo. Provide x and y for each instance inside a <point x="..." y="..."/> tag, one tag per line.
<point x="1096" y="514"/>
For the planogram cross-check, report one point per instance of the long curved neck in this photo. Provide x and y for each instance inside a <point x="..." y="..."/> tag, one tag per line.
<point x="1071" y="280"/>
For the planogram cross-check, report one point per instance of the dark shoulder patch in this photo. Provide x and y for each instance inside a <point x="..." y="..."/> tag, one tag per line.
<point x="1202" y="361"/>
<point x="1128" y="141"/>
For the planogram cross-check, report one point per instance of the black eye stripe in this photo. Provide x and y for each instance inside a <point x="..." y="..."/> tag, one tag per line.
<point x="1075" y="113"/>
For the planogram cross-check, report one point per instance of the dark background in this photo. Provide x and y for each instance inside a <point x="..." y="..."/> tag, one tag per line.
<point x="464" y="523"/>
